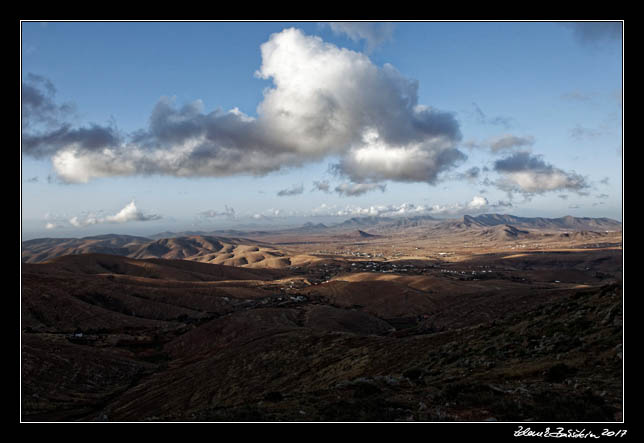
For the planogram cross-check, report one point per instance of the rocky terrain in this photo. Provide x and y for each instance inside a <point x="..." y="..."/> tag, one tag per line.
<point x="479" y="329"/>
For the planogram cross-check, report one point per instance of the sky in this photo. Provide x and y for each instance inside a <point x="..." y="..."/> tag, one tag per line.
<point x="143" y="127"/>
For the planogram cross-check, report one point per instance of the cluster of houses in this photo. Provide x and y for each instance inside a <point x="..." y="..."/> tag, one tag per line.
<point x="371" y="266"/>
<point x="351" y="253"/>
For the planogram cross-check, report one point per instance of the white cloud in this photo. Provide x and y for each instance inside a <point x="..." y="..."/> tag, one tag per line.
<point x="275" y="213"/>
<point x="54" y="221"/>
<point x="540" y="181"/>
<point x="477" y="203"/>
<point x="227" y="212"/>
<point x="82" y="222"/>
<point x="522" y="172"/>
<point x="128" y="214"/>
<point x="509" y="141"/>
<point x="324" y="101"/>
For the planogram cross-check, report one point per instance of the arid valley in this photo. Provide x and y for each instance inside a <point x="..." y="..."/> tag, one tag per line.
<point x="479" y="318"/>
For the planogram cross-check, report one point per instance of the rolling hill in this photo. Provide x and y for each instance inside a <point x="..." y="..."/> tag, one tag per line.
<point x="217" y="250"/>
<point x="108" y="338"/>
<point x="265" y="249"/>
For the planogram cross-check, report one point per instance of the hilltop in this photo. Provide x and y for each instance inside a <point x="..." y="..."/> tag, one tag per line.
<point x="217" y="250"/>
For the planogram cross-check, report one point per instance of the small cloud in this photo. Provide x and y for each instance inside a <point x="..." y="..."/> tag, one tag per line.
<point x="228" y="212"/>
<point x="82" y="222"/>
<point x="595" y="33"/>
<point x="273" y="213"/>
<point x="373" y="33"/>
<point x="528" y="174"/>
<point x="505" y="142"/>
<point x="52" y="179"/>
<point x="294" y="190"/>
<point x="502" y="204"/>
<point x="324" y="210"/>
<point x="509" y="141"/>
<point x="128" y="214"/>
<point x="477" y="203"/>
<point x="484" y="119"/>
<point x="580" y="133"/>
<point x="54" y="220"/>
<point x="472" y="144"/>
<point x="355" y="189"/>
<point x="471" y="174"/>
<point x="321" y="186"/>
<point x="404" y="209"/>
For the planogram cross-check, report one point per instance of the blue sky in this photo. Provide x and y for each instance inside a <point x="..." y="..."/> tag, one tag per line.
<point x="137" y="127"/>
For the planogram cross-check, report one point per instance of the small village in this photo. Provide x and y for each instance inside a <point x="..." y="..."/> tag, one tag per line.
<point x="324" y="272"/>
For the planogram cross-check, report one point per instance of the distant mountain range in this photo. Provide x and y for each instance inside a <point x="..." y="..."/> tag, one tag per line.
<point x="566" y="223"/>
<point x="401" y="222"/>
<point x="232" y="247"/>
<point x="486" y="220"/>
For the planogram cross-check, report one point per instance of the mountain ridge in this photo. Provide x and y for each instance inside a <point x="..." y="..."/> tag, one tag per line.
<point x="565" y="222"/>
<point x="239" y="250"/>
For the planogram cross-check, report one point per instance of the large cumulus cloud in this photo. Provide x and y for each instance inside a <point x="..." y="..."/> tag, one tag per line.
<point x="324" y="101"/>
